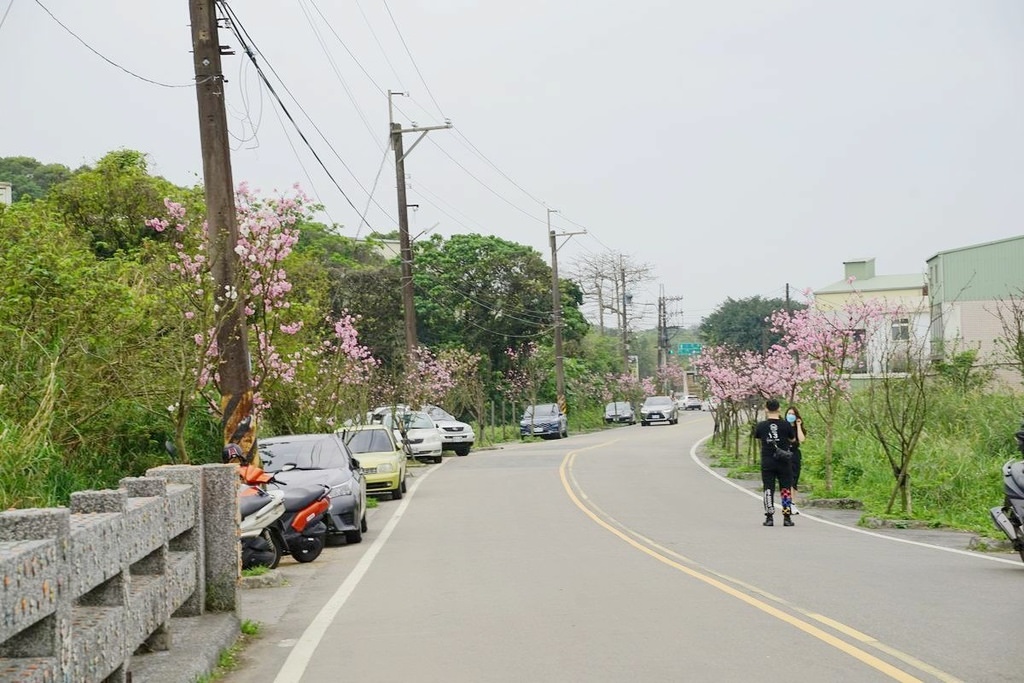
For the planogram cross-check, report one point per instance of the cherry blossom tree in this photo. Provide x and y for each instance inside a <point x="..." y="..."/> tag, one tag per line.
<point x="267" y="233"/>
<point x="834" y="342"/>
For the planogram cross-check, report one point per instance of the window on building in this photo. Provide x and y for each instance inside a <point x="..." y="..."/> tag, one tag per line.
<point x="901" y="329"/>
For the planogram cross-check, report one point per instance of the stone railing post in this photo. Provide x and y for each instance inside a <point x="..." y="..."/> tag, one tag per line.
<point x="220" y="528"/>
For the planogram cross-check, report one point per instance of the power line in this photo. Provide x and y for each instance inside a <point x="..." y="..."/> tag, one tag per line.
<point x="384" y="52"/>
<point x="6" y="12"/>
<point x="414" y="65"/>
<point x="97" y="53"/>
<point x="334" y="66"/>
<point x="362" y="219"/>
<point x="237" y="29"/>
<point x="249" y="46"/>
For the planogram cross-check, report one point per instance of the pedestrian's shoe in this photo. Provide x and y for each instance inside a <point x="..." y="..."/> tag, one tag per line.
<point x="768" y="520"/>
<point x="793" y="510"/>
<point x="787" y="520"/>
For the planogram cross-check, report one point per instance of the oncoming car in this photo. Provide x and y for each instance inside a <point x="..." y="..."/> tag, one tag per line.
<point x="658" y="409"/>
<point x="619" y="411"/>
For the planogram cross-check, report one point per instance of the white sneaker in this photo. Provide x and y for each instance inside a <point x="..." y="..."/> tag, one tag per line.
<point x="793" y="510"/>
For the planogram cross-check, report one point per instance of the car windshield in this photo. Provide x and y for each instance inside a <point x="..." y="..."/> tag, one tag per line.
<point x="370" y="441"/>
<point x="543" y="410"/>
<point x="304" y="454"/>
<point x="617" y="406"/>
<point x="411" y="421"/>
<point x="440" y="414"/>
<point x="657" y="401"/>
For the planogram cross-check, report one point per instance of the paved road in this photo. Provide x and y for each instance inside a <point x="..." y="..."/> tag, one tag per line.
<point x="617" y="556"/>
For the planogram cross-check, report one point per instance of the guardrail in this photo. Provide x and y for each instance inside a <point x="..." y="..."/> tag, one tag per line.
<point x="82" y="589"/>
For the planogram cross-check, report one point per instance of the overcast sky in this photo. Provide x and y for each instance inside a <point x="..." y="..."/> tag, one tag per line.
<point x="733" y="145"/>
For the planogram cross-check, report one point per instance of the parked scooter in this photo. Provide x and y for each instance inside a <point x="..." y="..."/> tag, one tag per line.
<point x="260" y="529"/>
<point x="1010" y="517"/>
<point x="301" y="530"/>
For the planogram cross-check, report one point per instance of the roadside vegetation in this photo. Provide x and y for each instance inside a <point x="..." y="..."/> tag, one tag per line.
<point x="107" y="322"/>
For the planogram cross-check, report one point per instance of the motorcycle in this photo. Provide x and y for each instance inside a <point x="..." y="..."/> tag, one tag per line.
<point x="1010" y="517"/>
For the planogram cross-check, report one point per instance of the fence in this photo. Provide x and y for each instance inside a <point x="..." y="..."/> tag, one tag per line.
<point x="82" y="589"/>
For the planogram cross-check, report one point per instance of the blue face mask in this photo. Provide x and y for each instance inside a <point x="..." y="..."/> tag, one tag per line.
<point x="791" y="418"/>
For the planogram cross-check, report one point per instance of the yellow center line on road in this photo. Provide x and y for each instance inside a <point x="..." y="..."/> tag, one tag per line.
<point x="565" y="473"/>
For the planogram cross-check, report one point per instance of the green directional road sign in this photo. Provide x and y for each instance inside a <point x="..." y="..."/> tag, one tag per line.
<point x="690" y="349"/>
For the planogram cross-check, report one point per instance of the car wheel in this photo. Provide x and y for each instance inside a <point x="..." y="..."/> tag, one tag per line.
<point x="462" y="451"/>
<point x="397" y="493"/>
<point x="438" y="459"/>
<point x="354" y="536"/>
<point x="565" y="434"/>
<point x="403" y="488"/>
<point x="362" y="523"/>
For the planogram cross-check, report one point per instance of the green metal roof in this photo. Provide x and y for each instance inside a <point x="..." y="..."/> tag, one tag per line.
<point x="876" y="284"/>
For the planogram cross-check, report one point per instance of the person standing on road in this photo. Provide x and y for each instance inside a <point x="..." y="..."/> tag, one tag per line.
<point x="775" y="433"/>
<point x="797" y="422"/>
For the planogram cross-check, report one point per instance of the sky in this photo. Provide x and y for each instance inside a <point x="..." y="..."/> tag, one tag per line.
<point x="734" y="146"/>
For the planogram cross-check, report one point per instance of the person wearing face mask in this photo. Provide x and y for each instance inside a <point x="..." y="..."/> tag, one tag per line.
<point x="794" y="419"/>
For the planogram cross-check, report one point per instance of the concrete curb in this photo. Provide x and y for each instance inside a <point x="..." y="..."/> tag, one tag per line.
<point x="198" y="642"/>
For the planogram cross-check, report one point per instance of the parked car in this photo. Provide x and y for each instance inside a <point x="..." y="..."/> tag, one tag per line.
<point x="692" y="403"/>
<point x="658" y="409"/>
<point x="382" y="459"/>
<point x="418" y="431"/>
<point x="455" y="436"/>
<point x="544" y="420"/>
<point x="619" y="411"/>
<point x="321" y="459"/>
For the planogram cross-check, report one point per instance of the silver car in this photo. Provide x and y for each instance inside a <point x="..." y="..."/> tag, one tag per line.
<point x="659" y="409"/>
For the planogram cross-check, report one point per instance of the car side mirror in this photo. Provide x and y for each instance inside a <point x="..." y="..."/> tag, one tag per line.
<point x="288" y="468"/>
<point x="355" y="464"/>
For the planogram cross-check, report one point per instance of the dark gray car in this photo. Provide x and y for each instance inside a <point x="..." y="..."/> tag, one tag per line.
<point x="619" y="411"/>
<point x="321" y="459"/>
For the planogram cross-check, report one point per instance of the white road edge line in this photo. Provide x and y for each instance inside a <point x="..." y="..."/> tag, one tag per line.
<point x="294" y="666"/>
<point x="804" y="515"/>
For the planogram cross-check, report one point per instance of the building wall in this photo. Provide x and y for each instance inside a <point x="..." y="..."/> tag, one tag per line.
<point x="983" y="272"/>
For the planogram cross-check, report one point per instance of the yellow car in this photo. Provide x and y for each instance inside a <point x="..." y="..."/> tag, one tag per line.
<point x="381" y="458"/>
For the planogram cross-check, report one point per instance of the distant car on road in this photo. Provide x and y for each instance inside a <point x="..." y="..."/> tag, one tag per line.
<point x="692" y="403"/>
<point x="658" y="409"/>
<point x="619" y="411"/>
<point x="544" y="420"/>
<point x="418" y="431"/>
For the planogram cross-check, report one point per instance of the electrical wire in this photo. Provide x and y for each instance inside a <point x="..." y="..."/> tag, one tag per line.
<point x="334" y="67"/>
<point x="6" y="12"/>
<point x="414" y="65"/>
<point x="100" y="55"/>
<point x="384" y="52"/>
<point x="362" y="219"/>
<point x="249" y="47"/>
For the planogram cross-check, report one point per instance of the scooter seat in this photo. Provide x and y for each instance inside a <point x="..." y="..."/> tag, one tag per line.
<point x="296" y="499"/>
<point x="248" y="505"/>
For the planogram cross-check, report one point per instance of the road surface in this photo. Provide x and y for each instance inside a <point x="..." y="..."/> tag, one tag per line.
<point x="619" y="556"/>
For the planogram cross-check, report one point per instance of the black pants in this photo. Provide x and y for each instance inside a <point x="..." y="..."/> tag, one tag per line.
<point x="795" y="463"/>
<point x="776" y="470"/>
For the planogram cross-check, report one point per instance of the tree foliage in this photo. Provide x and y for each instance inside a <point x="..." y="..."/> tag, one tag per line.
<point x="743" y="324"/>
<point x="29" y="178"/>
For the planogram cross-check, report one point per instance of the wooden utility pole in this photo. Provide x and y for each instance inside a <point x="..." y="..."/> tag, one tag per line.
<point x="404" y="243"/>
<point x="556" y="311"/>
<point x="232" y="343"/>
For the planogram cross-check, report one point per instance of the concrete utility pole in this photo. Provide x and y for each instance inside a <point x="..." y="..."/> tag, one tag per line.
<point x="232" y="342"/>
<point x="404" y="243"/>
<point x="556" y="310"/>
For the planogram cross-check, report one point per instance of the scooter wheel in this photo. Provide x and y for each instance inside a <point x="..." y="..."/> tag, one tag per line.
<point x="267" y="536"/>
<point x="309" y="549"/>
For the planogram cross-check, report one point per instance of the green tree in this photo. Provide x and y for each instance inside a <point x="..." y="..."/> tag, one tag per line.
<point x="743" y="323"/>
<point x="486" y="294"/>
<point x="112" y="201"/>
<point x="29" y="178"/>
